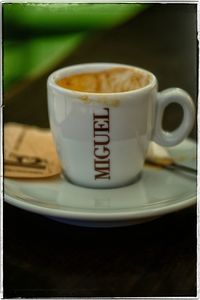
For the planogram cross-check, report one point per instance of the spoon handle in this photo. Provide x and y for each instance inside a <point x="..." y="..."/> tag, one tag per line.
<point x="184" y="168"/>
<point x="173" y="166"/>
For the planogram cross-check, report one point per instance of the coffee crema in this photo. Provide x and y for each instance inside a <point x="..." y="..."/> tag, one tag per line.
<point x="113" y="80"/>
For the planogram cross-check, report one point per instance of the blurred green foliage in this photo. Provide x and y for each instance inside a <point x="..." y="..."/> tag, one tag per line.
<point x="30" y="58"/>
<point x="38" y="36"/>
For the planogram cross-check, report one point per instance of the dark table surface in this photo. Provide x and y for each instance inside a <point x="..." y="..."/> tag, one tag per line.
<point x="44" y="258"/>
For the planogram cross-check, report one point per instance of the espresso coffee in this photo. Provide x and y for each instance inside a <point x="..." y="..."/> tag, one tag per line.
<point x="115" y="80"/>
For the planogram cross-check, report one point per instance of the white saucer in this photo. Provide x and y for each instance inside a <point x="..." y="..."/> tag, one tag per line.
<point x="157" y="193"/>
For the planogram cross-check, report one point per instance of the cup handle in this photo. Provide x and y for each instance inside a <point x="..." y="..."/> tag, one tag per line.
<point x="164" y="98"/>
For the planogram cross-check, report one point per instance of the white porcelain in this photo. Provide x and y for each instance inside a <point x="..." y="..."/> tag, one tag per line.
<point x="102" y="138"/>
<point x="159" y="192"/>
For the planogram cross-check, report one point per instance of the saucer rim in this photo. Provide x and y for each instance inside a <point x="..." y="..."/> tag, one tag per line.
<point x="101" y="216"/>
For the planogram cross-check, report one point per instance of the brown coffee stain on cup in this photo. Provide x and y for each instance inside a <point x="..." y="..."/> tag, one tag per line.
<point x="101" y="100"/>
<point x="85" y="99"/>
<point x="108" y="102"/>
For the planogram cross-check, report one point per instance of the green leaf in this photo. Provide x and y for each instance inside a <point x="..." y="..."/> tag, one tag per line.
<point x="30" y="58"/>
<point x="67" y="17"/>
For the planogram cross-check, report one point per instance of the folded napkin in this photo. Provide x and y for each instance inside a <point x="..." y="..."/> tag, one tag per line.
<point x="29" y="152"/>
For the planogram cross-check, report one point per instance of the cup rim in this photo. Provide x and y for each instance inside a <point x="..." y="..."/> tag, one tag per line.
<point x="51" y="79"/>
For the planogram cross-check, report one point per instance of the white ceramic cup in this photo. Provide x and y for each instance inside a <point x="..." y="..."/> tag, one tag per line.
<point x="102" y="138"/>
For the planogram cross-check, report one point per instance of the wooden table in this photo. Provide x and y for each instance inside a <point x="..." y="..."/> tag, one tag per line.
<point x="43" y="258"/>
